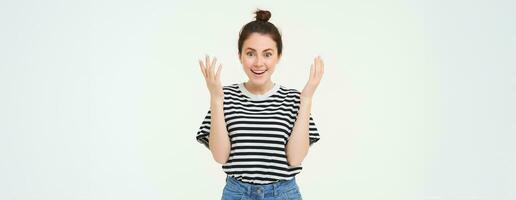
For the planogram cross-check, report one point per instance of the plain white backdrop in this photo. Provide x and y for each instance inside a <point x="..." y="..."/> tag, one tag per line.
<point x="102" y="99"/>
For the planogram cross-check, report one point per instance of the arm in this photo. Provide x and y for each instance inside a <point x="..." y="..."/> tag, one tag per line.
<point x="298" y="144"/>
<point x="220" y="145"/>
<point x="299" y="141"/>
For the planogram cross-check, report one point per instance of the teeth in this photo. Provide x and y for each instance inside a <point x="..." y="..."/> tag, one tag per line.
<point x="258" y="72"/>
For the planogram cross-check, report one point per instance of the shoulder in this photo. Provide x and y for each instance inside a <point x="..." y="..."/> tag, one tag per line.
<point x="289" y="91"/>
<point x="232" y="86"/>
<point x="232" y="90"/>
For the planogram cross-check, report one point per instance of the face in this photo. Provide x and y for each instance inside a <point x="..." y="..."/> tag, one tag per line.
<point x="259" y="58"/>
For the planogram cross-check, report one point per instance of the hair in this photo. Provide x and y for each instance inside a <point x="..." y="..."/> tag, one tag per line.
<point x="260" y="25"/>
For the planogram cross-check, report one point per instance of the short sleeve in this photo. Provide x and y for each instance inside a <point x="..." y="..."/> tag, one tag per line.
<point x="313" y="133"/>
<point x="203" y="134"/>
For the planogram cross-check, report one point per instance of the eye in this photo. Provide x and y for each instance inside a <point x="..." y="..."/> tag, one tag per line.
<point x="268" y="54"/>
<point x="249" y="53"/>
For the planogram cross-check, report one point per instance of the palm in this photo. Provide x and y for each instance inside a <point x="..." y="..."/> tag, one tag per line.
<point x="211" y="77"/>
<point x="316" y="73"/>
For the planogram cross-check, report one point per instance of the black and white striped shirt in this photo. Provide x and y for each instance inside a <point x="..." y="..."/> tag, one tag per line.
<point x="259" y="127"/>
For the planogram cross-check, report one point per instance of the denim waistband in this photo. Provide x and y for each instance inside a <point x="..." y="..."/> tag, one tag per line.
<point x="268" y="189"/>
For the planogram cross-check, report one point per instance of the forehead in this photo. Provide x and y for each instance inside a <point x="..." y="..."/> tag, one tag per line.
<point x="259" y="42"/>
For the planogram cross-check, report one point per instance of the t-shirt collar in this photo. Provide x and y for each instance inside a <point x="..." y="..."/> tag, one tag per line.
<point x="255" y="96"/>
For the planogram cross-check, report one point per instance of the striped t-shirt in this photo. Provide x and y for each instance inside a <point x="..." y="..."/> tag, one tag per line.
<point x="259" y="127"/>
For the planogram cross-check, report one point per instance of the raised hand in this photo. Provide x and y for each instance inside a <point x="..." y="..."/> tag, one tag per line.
<point x="212" y="78"/>
<point x="316" y="73"/>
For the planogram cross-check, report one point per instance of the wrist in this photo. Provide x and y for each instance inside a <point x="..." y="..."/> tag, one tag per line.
<point x="306" y="98"/>
<point x="216" y="100"/>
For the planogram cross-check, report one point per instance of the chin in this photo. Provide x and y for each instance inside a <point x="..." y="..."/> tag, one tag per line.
<point x="259" y="81"/>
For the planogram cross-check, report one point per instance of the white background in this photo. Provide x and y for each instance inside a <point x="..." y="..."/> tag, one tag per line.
<point x="102" y="99"/>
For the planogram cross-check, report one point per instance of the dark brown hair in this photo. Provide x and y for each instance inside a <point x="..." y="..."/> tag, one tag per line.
<point x="260" y="25"/>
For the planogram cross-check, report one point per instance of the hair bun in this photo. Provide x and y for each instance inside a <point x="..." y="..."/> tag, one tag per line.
<point x="262" y="15"/>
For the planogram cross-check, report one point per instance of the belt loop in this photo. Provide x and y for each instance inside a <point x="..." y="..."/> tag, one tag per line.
<point x="275" y="188"/>
<point x="248" y="188"/>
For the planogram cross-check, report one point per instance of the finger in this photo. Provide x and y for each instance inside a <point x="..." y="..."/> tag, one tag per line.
<point x="213" y="67"/>
<point x="213" y="62"/>
<point x="312" y="71"/>
<point x="315" y="67"/>
<point x="319" y="66"/>
<point x="322" y="67"/>
<point x="207" y="61"/>
<point x="208" y="66"/>
<point x="217" y="76"/>
<point x="201" y="65"/>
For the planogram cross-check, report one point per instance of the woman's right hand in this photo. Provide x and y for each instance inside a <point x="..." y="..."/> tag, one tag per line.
<point x="212" y="78"/>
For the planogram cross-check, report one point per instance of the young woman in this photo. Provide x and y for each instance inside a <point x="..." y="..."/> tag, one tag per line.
<point x="258" y="130"/>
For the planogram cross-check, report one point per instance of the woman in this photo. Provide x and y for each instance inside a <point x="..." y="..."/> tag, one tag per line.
<point x="258" y="130"/>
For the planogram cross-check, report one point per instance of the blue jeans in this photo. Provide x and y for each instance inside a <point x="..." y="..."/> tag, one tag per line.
<point x="282" y="190"/>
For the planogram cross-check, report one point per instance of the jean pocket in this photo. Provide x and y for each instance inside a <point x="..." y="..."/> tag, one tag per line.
<point x="292" y="194"/>
<point x="232" y="193"/>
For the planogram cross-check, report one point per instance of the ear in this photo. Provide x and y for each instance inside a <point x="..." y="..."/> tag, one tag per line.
<point x="239" y="57"/>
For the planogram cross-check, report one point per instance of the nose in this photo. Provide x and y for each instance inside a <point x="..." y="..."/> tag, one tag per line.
<point x="258" y="62"/>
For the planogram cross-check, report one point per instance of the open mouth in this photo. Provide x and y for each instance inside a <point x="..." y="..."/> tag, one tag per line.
<point x="258" y="72"/>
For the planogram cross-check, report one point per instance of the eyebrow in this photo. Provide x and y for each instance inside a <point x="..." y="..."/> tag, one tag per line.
<point x="263" y="50"/>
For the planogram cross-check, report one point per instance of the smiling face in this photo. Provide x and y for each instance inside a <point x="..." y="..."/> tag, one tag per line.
<point x="259" y="58"/>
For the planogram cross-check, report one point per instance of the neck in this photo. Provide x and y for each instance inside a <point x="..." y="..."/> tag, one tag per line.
<point x="258" y="89"/>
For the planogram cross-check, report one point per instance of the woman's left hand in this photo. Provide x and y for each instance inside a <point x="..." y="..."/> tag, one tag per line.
<point x="316" y="73"/>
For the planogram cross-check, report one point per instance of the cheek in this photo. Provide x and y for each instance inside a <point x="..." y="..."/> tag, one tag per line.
<point x="247" y="63"/>
<point x="272" y="63"/>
